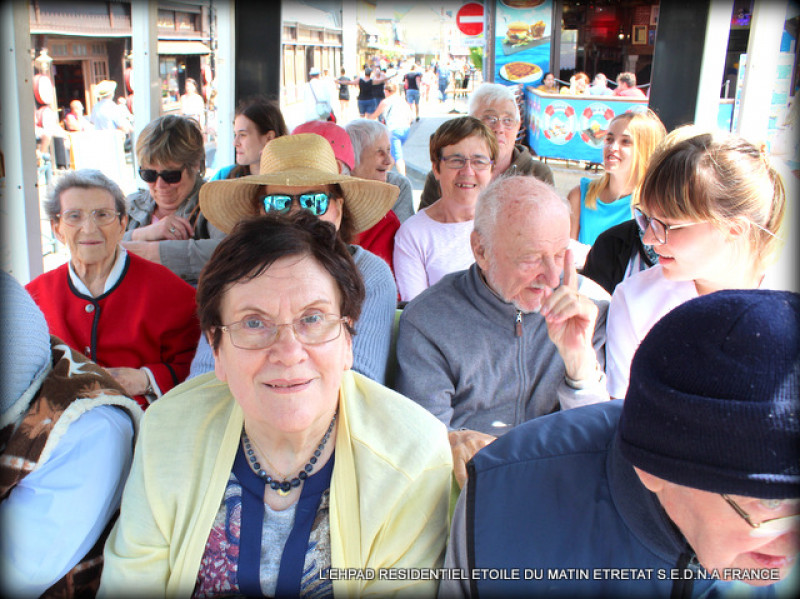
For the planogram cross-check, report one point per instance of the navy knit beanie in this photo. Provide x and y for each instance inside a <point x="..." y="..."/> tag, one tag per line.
<point x="714" y="396"/>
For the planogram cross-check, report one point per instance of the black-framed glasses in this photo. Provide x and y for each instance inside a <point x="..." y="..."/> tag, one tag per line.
<point x="659" y="228"/>
<point x="773" y="526"/>
<point x="316" y="202"/>
<point x="457" y="162"/>
<point x="100" y="216"/>
<point x="507" y="121"/>
<point x="258" y="333"/>
<point x="150" y="175"/>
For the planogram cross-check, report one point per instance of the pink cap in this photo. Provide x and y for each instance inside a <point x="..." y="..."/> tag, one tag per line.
<point x="336" y="136"/>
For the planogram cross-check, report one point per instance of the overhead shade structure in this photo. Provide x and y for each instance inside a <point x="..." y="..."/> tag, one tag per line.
<point x="182" y="47"/>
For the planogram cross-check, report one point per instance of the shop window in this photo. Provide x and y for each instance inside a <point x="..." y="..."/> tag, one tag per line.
<point x="185" y="21"/>
<point x="170" y="88"/>
<point x="59" y="50"/>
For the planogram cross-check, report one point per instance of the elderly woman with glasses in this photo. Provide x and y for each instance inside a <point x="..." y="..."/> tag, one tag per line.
<point x="435" y="241"/>
<point x="300" y="173"/>
<point x="496" y="106"/>
<point x="165" y="224"/>
<point x="712" y="208"/>
<point x="285" y="468"/>
<point x="134" y="318"/>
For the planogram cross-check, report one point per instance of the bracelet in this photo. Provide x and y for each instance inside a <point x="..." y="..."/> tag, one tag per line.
<point x="149" y="390"/>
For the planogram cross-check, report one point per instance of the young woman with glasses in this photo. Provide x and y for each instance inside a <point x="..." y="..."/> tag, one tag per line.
<point x="435" y="241"/>
<point x="165" y="224"/>
<point x="712" y="208"/>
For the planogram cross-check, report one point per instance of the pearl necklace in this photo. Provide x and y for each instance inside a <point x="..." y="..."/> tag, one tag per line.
<point x="283" y="487"/>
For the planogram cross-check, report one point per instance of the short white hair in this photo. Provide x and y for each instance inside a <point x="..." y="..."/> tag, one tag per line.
<point x="520" y="189"/>
<point x="363" y="134"/>
<point x="492" y="93"/>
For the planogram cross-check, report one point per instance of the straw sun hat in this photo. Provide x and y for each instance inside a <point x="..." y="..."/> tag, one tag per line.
<point x="302" y="160"/>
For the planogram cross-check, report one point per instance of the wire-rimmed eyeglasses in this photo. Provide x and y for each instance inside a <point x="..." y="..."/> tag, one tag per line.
<point x="100" y="216"/>
<point x="456" y="162"/>
<point x="773" y="526"/>
<point x="257" y="333"/>
<point x="659" y="228"/>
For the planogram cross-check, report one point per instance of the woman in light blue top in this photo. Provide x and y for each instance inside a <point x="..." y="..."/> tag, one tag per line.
<point x="600" y="204"/>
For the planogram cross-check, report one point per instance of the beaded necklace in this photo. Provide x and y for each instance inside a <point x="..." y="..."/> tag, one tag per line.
<point x="283" y="487"/>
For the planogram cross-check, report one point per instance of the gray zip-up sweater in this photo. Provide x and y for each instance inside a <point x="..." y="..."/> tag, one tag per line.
<point x="476" y="362"/>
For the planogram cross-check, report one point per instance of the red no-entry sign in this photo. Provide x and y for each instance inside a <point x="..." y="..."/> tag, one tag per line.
<point x="469" y="19"/>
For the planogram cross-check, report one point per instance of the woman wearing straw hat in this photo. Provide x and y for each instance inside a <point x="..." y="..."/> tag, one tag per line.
<point x="299" y="172"/>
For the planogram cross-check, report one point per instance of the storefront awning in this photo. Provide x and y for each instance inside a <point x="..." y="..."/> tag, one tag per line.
<point x="179" y="47"/>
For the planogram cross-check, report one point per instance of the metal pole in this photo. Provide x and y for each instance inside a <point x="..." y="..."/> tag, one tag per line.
<point x="21" y="242"/>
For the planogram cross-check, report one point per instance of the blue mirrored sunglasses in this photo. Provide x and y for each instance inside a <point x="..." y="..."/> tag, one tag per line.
<point x="316" y="203"/>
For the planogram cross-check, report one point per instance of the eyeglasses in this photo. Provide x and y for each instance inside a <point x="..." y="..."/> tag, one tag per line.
<point x="659" y="228"/>
<point x="773" y="526"/>
<point x="506" y="121"/>
<point x="316" y="203"/>
<point x="100" y="216"/>
<point x="150" y="175"/>
<point x="457" y="162"/>
<point x="257" y="333"/>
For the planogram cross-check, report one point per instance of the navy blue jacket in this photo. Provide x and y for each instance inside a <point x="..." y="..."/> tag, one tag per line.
<point x="555" y="501"/>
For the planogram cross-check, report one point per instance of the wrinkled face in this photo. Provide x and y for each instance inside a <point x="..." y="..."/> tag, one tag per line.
<point x="169" y="196"/>
<point x="618" y="149"/>
<point x="506" y="134"/>
<point x="375" y="161"/>
<point x="701" y="252"/>
<point x="88" y="243"/>
<point x="524" y="263"/>
<point x="288" y="387"/>
<point x="332" y="215"/>
<point x="463" y="185"/>
<point x="248" y="141"/>
<point x="720" y="537"/>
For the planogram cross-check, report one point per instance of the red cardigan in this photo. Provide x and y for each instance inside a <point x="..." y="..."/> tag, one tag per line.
<point x="147" y="319"/>
<point x="379" y="238"/>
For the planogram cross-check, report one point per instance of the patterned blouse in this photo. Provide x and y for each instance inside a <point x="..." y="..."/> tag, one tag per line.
<point x="253" y="550"/>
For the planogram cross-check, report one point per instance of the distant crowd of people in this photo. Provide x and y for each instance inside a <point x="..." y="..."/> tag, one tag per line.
<point x="581" y="85"/>
<point x="286" y="380"/>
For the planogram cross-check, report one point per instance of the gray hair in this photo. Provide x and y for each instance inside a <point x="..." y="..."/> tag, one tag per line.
<point x="87" y="178"/>
<point x="491" y="93"/>
<point x="521" y="189"/>
<point x="363" y="134"/>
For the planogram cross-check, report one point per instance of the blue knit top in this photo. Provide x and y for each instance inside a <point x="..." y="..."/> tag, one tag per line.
<point x="603" y="216"/>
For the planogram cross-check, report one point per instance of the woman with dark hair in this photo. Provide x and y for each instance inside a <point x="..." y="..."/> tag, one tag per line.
<point x="286" y="464"/>
<point x="299" y="173"/>
<point x="256" y="122"/>
<point x="165" y="223"/>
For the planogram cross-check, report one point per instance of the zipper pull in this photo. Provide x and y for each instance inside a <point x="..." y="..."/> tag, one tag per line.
<point x="519" y="323"/>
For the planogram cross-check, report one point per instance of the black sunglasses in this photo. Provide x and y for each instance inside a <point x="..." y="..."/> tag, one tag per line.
<point x="150" y="175"/>
<point x="316" y="202"/>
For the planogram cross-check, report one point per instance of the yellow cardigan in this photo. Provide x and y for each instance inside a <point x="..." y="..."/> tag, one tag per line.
<point x="390" y="490"/>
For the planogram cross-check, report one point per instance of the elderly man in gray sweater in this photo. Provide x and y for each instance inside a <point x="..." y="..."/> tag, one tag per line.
<point x="517" y="335"/>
